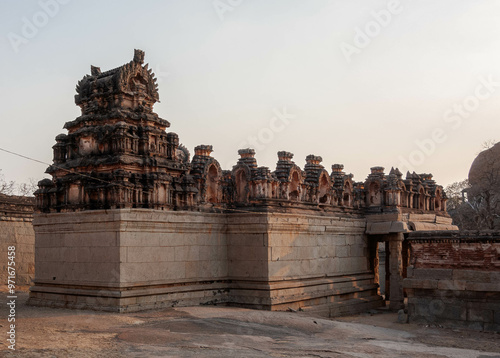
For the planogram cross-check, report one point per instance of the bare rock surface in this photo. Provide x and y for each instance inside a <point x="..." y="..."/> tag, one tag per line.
<point x="210" y="331"/>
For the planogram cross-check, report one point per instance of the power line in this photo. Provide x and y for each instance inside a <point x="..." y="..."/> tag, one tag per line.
<point x="108" y="182"/>
<point x="23" y="156"/>
<point x="61" y="168"/>
<point x="90" y="177"/>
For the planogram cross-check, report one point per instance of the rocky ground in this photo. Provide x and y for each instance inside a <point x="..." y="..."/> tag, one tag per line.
<point x="230" y="332"/>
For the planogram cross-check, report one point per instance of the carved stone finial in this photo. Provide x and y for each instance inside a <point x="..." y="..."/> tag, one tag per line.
<point x="246" y="153"/>
<point x="313" y="159"/>
<point x="95" y="71"/>
<point x="426" y="176"/>
<point x="396" y="172"/>
<point x="203" y="150"/>
<point x="337" y="168"/>
<point x="285" y="156"/>
<point x="377" y="170"/>
<point x="139" y="56"/>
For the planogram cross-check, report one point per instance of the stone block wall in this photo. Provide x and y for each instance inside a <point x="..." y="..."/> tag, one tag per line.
<point x="320" y="263"/>
<point x="129" y="259"/>
<point x="313" y="262"/>
<point x="16" y="215"/>
<point x="134" y="259"/>
<point x="454" y="279"/>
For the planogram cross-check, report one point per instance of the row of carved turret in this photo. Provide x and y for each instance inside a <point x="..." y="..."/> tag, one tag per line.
<point x="202" y="184"/>
<point x="248" y="183"/>
<point x="417" y="191"/>
<point x="117" y="154"/>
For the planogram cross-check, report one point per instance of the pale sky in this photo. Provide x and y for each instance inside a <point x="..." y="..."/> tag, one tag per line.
<point x="414" y="84"/>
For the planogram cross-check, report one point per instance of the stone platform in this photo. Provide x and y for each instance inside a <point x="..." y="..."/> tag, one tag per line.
<point x="136" y="259"/>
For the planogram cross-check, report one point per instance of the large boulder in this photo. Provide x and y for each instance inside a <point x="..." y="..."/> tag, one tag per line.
<point x="485" y="169"/>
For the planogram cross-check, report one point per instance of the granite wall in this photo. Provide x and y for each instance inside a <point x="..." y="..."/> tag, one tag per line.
<point x="16" y="215"/>
<point x="134" y="259"/>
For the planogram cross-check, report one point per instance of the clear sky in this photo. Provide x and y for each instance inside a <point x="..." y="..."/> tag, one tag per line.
<point x="414" y="84"/>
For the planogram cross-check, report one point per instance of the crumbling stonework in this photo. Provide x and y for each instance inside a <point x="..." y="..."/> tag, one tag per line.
<point x="454" y="279"/>
<point x="16" y="215"/>
<point x="118" y="155"/>
<point x="129" y="221"/>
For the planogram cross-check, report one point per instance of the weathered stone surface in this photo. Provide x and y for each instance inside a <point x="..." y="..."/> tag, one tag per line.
<point x="118" y="155"/>
<point x="158" y="254"/>
<point x="454" y="279"/>
<point x="16" y="231"/>
<point x="128" y="215"/>
<point x="432" y="274"/>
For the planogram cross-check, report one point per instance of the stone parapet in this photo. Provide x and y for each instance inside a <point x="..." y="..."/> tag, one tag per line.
<point x="18" y="208"/>
<point x="454" y="279"/>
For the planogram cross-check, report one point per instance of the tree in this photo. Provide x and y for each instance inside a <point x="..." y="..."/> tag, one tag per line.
<point x="27" y="189"/>
<point x="457" y="206"/>
<point x="23" y="189"/>
<point x="487" y="144"/>
<point x="6" y="187"/>
<point x="455" y="194"/>
<point x="474" y="204"/>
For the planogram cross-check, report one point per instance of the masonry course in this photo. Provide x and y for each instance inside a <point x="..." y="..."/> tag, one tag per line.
<point x="454" y="279"/>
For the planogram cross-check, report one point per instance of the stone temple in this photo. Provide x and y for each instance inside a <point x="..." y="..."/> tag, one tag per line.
<point x="129" y="221"/>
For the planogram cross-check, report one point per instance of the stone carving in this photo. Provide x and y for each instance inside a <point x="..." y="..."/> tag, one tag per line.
<point x="251" y="235"/>
<point x="118" y="155"/>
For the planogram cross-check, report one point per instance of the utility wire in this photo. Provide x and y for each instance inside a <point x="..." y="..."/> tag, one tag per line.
<point x="98" y="179"/>
<point x="61" y="168"/>
<point x="108" y="182"/>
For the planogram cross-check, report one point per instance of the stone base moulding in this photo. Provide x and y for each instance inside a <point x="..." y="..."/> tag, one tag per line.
<point x="114" y="299"/>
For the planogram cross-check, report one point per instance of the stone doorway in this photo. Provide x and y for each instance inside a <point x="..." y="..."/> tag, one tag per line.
<point x="389" y="261"/>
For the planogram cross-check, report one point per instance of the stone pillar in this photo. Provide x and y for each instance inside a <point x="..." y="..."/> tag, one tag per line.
<point x="387" y="278"/>
<point x="374" y="261"/>
<point x="396" y="271"/>
<point x="405" y="257"/>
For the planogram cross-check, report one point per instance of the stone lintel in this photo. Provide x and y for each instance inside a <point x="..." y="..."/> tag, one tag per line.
<point x="387" y="227"/>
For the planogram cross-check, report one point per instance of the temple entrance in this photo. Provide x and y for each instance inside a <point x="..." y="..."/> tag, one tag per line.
<point x="389" y="261"/>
